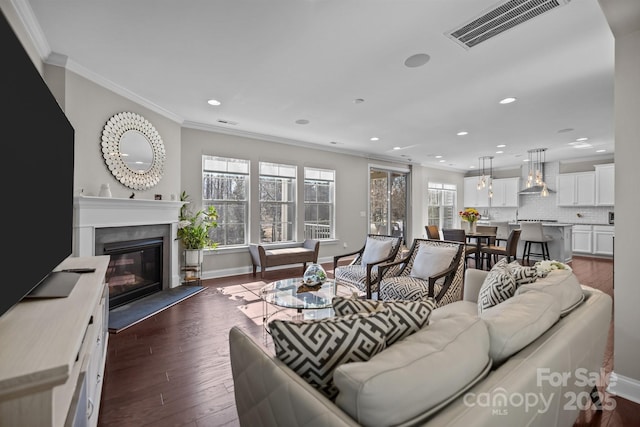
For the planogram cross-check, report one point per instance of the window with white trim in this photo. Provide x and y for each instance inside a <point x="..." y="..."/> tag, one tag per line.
<point x="441" y="205"/>
<point x="277" y="195"/>
<point x="225" y="185"/>
<point x="319" y="203"/>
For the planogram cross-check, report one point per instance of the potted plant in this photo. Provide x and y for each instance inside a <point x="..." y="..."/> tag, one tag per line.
<point x="193" y="230"/>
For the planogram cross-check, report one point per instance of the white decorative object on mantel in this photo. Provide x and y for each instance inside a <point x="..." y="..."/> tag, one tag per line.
<point x="90" y="213"/>
<point x="105" y="191"/>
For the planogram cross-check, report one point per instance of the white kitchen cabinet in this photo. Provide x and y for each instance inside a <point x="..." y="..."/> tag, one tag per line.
<point x="605" y="188"/>
<point x="582" y="239"/>
<point x="603" y="239"/>
<point x="474" y="198"/>
<point x="505" y="192"/>
<point x="576" y="189"/>
<point x="593" y="239"/>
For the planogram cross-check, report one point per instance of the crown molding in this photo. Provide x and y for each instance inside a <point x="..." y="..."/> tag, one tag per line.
<point x="31" y="25"/>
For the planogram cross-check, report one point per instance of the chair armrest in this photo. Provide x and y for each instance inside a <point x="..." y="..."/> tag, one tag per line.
<point x="314" y="245"/>
<point x="257" y="254"/>
<point x="385" y="269"/>
<point x="336" y="258"/>
<point x="473" y="279"/>
<point x="434" y="278"/>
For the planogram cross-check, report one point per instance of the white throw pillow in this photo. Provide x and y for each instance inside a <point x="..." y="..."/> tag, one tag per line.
<point x="431" y="260"/>
<point x="375" y="250"/>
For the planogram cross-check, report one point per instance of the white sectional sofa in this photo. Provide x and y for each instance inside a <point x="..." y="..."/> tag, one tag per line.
<point x="526" y="361"/>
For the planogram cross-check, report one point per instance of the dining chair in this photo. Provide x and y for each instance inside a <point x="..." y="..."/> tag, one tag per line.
<point x="433" y="232"/>
<point x="494" y="251"/>
<point x="459" y="235"/>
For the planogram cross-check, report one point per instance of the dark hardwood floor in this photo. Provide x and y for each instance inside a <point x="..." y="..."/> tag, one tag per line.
<point x="173" y="369"/>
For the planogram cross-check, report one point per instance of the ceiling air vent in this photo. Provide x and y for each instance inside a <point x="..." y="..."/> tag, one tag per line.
<point x="501" y="17"/>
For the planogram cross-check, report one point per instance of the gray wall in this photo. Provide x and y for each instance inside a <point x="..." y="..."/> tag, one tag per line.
<point x="624" y="19"/>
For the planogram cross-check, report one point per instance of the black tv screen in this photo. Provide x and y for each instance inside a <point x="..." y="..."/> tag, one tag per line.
<point x="38" y="145"/>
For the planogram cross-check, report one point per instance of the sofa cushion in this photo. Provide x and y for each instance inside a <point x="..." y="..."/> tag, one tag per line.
<point x="518" y="321"/>
<point x="563" y="285"/>
<point x="416" y="374"/>
<point x="498" y="286"/>
<point x="405" y="317"/>
<point x="315" y="348"/>
<point x="431" y="260"/>
<point x="375" y="250"/>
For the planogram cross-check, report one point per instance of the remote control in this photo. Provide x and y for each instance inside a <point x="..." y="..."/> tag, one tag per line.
<point x="79" y="270"/>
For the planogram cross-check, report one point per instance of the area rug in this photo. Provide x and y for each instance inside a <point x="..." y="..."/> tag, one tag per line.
<point x="127" y="315"/>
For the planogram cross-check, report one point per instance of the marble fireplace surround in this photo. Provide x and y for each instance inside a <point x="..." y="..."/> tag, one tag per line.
<point x="134" y="218"/>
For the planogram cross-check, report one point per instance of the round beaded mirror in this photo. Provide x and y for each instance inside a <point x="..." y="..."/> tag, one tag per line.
<point x="133" y="150"/>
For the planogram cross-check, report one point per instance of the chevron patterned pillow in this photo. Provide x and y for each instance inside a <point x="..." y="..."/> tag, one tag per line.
<point x="405" y="317"/>
<point x="315" y="348"/>
<point x="498" y="286"/>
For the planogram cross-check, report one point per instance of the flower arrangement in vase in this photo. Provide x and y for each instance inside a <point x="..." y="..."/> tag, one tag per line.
<point x="470" y="215"/>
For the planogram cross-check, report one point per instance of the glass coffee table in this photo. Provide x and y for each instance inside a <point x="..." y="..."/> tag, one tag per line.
<point x="309" y="302"/>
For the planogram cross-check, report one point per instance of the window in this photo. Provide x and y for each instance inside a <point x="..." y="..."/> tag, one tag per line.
<point x="277" y="192"/>
<point x="441" y="205"/>
<point x="319" y="208"/>
<point x="225" y="185"/>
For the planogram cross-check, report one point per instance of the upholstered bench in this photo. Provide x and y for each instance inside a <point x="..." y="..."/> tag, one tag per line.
<point x="303" y="252"/>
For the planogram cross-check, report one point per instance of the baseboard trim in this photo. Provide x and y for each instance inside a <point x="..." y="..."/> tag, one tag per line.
<point x="624" y="387"/>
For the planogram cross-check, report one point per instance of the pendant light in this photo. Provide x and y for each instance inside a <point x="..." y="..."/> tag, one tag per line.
<point x="535" y="177"/>
<point x="484" y="178"/>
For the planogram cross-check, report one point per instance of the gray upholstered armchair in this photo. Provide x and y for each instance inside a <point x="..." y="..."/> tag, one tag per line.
<point x="362" y="272"/>
<point x="432" y="269"/>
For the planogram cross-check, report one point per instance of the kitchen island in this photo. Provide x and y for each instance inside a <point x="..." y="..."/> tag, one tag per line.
<point x="560" y="248"/>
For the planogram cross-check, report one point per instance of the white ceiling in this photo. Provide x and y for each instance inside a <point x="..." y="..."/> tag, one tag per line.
<point x="271" y="63"/>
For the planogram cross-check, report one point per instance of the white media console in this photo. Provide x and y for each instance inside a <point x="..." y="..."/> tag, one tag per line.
<point x="52" y="353"/>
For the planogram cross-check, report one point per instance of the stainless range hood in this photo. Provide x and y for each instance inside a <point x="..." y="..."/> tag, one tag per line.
<point x="535" y="178"/>
<point x="534" y="189"/>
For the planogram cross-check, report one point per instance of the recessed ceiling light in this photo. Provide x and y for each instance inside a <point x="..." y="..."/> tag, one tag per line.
<point x="582" y="139"/>
<point x="213" y="102"/>
<point x="525" y="160"/>
<point x="417" y="60"/>
<point x="302" y="121"/>
<point x="499" y="152"/>
<point x="397" y="148"/>
<point x="462" y="133"/>
<point x="507" y="100"/>
<point x="471" y="167"/>
<point x="438" y="157"/>
<point x="501" y="146"/>
<point x="442" y="161"/>
<point x="375" y="138"/>
<point x="600" y="151"/>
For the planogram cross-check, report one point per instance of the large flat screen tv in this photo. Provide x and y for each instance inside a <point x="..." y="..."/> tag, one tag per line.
<point x="37" y="175"/>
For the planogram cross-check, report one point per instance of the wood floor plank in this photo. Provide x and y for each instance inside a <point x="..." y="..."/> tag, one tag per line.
<point x="173" y="369"/>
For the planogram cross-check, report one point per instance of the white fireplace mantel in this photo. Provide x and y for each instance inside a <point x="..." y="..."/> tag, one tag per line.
<point x="90" y="213"/>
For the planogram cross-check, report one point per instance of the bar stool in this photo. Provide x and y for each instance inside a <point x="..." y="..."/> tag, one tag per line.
<point x="532" y="232"/>
<point x="502" y="234"/>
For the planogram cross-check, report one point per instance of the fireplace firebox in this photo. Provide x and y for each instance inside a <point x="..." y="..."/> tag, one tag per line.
<point x="135" y="269"/>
